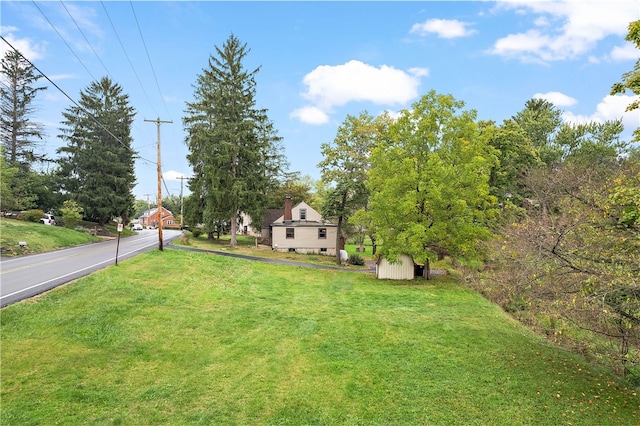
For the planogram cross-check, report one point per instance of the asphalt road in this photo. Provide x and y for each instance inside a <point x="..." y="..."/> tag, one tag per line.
<point x="27" y="276"/>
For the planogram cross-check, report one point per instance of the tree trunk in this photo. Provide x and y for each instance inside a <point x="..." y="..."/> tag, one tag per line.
<point x="234" y="225"/>
<point x="427" y="269"/>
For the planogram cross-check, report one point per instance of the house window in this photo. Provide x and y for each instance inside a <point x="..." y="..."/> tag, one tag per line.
<point x="322" y="233"/>
<point x="303" y="214"/>
<point x="323" y="250"/>
<point x="292" y="250"/>
<point x="169" y="222"/>
<point x="290" y="233"/>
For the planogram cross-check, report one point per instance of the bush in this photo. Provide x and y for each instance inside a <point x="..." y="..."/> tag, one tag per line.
<point x="355" y="259"/>
<point x="34" y="215"/>
<point x="71" y="213"/>
<point x="196" y="232"/>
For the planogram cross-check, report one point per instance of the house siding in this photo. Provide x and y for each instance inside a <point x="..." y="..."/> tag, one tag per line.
<point x="305" y="238"/>
<point x="402" y="270"/>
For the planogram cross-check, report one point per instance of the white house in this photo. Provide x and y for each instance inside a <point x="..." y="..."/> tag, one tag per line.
<point x="301" y="229"/>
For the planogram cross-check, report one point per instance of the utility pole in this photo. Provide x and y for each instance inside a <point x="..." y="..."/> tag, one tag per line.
<point x="158" y="123"/>
<point x="148" y="209"/>
<point x="182" y="178"/>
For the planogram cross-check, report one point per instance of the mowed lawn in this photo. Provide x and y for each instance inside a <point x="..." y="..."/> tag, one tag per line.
<point x="182" y="338"/>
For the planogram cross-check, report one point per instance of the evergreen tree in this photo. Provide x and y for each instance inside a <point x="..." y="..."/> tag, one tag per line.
<point x="234" y="149"/>
<point x="98" y="161"/>
<point x="20" y="135"/>
<point x="17" y="93"/>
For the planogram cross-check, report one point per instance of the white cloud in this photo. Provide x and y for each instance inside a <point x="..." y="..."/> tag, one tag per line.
<point x="444" y="28"/>
<point x="625" y="52"/>
<point x="173" y="175"/>
<point x="310" y="115"/>
<point x="331" y="86"/>
<point x="419" y="72"/>
<point x="25" y="46"/>
<point x="564" y="29"/>
<point x="610" y="108"/>
<point x="557" y="98"/>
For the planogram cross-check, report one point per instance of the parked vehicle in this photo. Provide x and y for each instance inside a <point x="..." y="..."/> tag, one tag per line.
<point x="137" y="227"/>
<point x="48" y="219"/>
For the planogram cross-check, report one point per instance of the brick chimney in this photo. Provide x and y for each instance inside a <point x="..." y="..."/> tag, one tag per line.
<point x="287" y="209"/>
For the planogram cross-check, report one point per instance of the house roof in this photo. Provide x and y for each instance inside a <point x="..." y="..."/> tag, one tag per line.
<point x="271" y="216"/>
<point x="149" y="213"/>
<point x="279" y="220"/>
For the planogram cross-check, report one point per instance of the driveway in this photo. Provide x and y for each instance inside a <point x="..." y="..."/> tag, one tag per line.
<point x="267" y="260"/>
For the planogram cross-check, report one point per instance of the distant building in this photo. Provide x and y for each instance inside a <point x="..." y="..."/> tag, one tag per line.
<point x="151" y="219"/>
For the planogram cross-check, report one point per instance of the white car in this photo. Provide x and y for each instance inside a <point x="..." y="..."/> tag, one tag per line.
<point x="48" y="219"/>
<point x="137" y="227"/>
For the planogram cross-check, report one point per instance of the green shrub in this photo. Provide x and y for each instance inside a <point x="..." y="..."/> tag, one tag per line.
<point x="33" y="215"/>
<point x="71" y="213"/>
<point x="196" y="232"/>
<point x="355" y="259"/>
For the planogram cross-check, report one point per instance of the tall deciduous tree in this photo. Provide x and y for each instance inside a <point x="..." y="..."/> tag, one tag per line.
<point x="234" y="149"/>
<point x="20" y="135"/>
<point x="296" y="186"/>
<point x="429" y="182"/>
<point x="345" y="166"/>
<point x="98" y="161"/>
<point x="631" y="80"/>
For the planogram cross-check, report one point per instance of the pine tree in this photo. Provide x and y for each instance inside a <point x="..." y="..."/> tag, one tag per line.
<point x="20" y="135"/>
<point x="234" y="149"/>
<point x="17" y="93"/>
<point x="98" y="161"/>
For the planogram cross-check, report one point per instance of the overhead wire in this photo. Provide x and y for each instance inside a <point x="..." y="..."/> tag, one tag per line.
<point x="133" y="152"/>
<point x="86" y="39"/>
<point x="128" y="59"/>
<point x="155" y="77"/>
<point x="62" y="38"/>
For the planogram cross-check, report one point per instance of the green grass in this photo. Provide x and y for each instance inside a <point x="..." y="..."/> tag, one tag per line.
<point x="182" y="338"/>
<point x="246" y="246"/>
<point x="39" y="237"/>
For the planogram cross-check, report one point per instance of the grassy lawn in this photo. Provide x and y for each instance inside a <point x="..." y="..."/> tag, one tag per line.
<point x="246" y="246"/>
<point x="39" y="237"/>
<point x="183" y="338"/>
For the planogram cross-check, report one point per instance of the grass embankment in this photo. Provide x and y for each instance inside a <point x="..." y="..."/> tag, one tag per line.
<point x="189" y="338"/>
<point x="39" y="238"/>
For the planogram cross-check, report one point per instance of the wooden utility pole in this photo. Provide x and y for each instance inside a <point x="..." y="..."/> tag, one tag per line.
<point x="148" y="209"/>
<point x="158" y="123"/>
<point x="182" y="178"/>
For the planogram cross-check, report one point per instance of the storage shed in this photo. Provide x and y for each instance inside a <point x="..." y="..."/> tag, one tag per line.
<point x="403" y="269"/>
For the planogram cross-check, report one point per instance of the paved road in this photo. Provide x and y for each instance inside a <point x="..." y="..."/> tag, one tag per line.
<point x="26" y="276"/>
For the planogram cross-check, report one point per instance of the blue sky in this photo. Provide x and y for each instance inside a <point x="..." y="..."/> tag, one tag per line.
<point x="321" y="61"/>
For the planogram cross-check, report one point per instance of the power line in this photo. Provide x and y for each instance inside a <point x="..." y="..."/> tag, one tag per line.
<point x="62" y="38"/>
<point x="86" y="39"/>
<point x="133" y="153"/>
<point x="153" y="71"/>
<point x="128" y="59"/>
